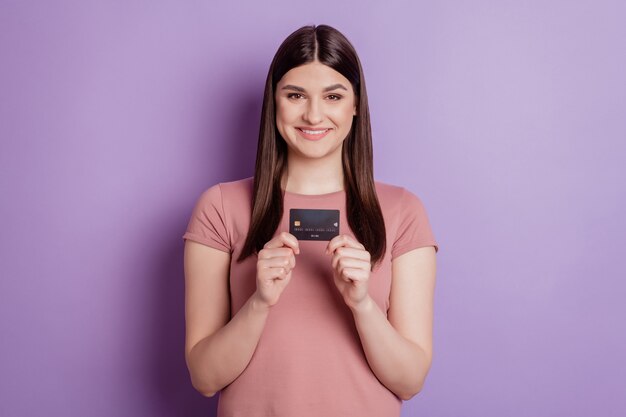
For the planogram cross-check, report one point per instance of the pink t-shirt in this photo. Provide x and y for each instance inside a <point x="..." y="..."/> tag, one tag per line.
<point x="309" y="361"/>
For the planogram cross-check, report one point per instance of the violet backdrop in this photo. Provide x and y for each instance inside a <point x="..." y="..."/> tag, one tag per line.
<point x="507" y="118"/>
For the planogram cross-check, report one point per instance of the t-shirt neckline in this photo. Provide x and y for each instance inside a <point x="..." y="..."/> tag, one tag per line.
<point x="325" y="195"/>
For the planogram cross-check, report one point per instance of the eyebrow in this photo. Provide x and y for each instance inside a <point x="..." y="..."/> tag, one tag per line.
<point x="302" y="90"/>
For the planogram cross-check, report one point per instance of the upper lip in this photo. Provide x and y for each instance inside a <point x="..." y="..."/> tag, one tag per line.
<point x="313" y="128"/>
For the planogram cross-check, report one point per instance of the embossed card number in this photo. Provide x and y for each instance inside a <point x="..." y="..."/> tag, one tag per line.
<point x="314" y="224"/>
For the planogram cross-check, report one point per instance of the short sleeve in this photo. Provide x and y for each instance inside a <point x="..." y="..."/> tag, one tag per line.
<point x="414" y="229"/>
<point x="208" y="223"/>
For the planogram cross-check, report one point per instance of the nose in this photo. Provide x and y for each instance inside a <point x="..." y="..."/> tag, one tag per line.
<point x="314" y="112"/>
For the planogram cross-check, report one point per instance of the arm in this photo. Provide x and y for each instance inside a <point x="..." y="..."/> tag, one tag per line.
<point x="398" y="348"/>
<point x="216" y="350"/>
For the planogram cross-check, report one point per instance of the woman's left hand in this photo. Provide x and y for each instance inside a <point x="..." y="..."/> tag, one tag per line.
<point x="351" y="269"/>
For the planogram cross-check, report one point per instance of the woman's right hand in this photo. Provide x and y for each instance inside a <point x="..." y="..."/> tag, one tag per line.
<point x="273" y="268"/>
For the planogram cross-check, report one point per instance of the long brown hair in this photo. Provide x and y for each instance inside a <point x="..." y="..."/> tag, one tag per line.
<point x="328" y="46"/>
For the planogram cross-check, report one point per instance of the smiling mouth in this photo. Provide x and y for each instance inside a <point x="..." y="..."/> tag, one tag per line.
<point x="313" y="132"/>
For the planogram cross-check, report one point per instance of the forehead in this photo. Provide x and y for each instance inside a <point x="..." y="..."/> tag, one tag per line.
<point x="313" y="76"/>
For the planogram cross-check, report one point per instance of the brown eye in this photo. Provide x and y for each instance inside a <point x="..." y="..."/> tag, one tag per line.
<point x="335" y="95"/>
<point x="290" y="95"/>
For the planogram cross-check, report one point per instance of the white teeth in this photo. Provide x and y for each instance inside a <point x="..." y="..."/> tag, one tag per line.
<point x="314" y="132"/>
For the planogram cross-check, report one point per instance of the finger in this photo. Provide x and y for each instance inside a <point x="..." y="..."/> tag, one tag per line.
<point x="349" y="252"/>
<point x="332" y="244"/>
<point x="277" y="262"/>
<point x="278" y="273"/>
<point x="340" y="263"/>
<point x="343" y="240"/>
<point x="275" y="252"/>
<point x="284" y="239"/>
<point x="273" y="273"/>
<point x="353" y="274"/>
<point x="364" y="262"/>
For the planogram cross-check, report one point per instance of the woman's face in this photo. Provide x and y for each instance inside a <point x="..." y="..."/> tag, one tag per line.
<point x="314" y="97"/>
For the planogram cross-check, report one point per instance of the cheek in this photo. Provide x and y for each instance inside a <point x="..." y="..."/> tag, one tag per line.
<point x="286" y="114"/>
<point x="343" y="114"/>
<point x="282" y="120"/>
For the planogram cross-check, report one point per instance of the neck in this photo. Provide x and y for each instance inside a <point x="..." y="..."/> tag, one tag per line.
<point x="313" y="176"/>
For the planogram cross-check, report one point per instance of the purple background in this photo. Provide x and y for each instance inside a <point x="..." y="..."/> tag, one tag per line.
<point x="507" y="118"/>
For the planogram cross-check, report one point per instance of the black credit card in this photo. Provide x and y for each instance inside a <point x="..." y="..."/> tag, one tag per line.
<point x="314" y="224"/>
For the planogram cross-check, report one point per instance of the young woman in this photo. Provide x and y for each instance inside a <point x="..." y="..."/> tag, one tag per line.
<point x="296" y="328"/>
